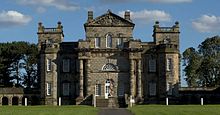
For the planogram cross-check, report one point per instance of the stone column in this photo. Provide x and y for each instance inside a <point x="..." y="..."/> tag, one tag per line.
<point x="10" y="101"/>
<point x="132" y="84"/>
<point x="81" y="78"/>
<point x="1" y="101"/>
<point x="88" y="87"/>
<point x="20" y="101"/>
<point x="139" y="92"/>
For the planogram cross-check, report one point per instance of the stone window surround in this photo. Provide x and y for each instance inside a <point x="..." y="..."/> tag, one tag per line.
<point x="108" y="40"/>
<point x="49" y="64"/>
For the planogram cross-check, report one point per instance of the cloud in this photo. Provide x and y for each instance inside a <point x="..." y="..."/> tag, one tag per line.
<point x="13" y="18"/>
<point x="153" y="1"/>
<point x="169" y="1"/>
<point x="207" y="23"/>
<point x="41" y="10"/>
<point x="147" y="16"/>
<point x="66" y="5"/>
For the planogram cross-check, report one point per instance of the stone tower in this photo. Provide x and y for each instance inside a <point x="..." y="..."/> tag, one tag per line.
<point x="167" y="41"/>
<point x="49" y="40"/>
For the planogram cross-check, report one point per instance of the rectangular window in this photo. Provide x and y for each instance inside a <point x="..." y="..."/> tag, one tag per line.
<point x="66" y="87"/>
<point x="98" y="89"/>
<point x="152" y="65"/>
<point x="49" y="88"/>
<point x="121" y="89"/>
<point x="66" y="65"/>
<point x="108" y="41"/>
<point x="169" y="89"/>
<point x="169" y="64"/>
<point x="49" y="64"/>
<point x="120" y="42"/>
<point x="152" y="89"/>
<point x="97" y="42"/>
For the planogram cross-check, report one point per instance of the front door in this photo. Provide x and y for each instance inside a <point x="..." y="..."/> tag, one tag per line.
<point x="107" y="89"/>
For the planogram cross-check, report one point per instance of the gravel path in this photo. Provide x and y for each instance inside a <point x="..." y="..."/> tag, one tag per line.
<point x="114" y="111"/>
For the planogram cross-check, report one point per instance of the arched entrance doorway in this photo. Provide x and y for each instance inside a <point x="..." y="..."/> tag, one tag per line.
<point x="15" y="101"/>
<point x="4" y="101"/>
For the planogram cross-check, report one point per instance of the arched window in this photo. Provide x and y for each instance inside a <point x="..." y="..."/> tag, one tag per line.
<point x="108" y="41"/>
<point x="109" y="67"/>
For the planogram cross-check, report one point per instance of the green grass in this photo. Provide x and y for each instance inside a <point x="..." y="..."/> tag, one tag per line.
<point x="176" y="110"/>
<point x="48" y="110"/>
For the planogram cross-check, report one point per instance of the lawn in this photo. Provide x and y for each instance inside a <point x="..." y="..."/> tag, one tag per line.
<point x="176" y="110"/>
<point x="48" y="110"/>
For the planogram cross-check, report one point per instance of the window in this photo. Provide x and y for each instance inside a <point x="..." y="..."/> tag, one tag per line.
<point x="121" y="89"/>
<point x="152" y="65"/>
<point x="98" y="89"/>
<point x="108" y="41"/>
<point x="97" y="42"/>
<point x="152" y="89"/>
<point x="48" y="88"/>
<point x="66" y="65"/>
<point x="169" y="64"/>
<point x="66" y="89"/>
<point x="120" y="42"/>
<point x="49" y="64"/>
<point x="169" y="89"/>
<point x="109" y="67"/>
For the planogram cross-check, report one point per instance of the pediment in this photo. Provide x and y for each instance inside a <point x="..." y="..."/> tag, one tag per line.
<point x="109" y="19"/>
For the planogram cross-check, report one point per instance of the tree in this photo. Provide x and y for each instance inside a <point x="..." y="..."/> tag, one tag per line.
<point x="202" y="67"/>
<point x="18" y="62"/>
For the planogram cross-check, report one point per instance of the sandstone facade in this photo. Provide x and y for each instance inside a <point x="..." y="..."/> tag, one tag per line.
<point x="109" y="63"/>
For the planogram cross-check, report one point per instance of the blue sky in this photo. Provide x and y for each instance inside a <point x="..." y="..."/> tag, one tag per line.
<point x="198" y="19"/>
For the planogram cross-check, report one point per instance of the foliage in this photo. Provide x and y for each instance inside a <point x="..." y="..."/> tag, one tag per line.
<point x="202" y="67"/>
<point x="48" y="110"/>
<point x="175" y="110"/>
<point x="18" y="63"/>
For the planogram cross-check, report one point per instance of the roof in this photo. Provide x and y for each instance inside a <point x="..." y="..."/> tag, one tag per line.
<point x="109" y="19"/>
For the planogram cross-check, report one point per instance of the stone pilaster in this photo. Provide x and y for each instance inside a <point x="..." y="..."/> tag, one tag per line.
<point x="81" y="78"/>
<point x="139" y="92"/>
<point x="88" y="90"/>
<point x="20" y="101"/>
<point x="10" y="101"/>
<point x="1" y="101"/>
<point x="132" y="83"/>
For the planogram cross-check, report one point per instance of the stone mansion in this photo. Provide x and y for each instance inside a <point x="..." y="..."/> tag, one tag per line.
<point x="109" y="64"/>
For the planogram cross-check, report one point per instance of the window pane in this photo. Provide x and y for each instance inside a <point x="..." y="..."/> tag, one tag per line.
<point x="169" y="64"/>
<point x="120" y="42"/>
<point x="65" y="89"/>
<point x="49" y="64"/>
<point x="152" y="65"/>
<point x="109" y="41"/>
<point x="97" y="42"/>
<point x="98" y="89"/>
<point x="152" y="89"/>
<point x="48" y="88"/>
<point x="66" y="65"/>
<point x="169" y="89"/>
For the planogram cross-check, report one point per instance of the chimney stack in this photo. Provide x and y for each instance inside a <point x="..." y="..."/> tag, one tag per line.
<point x="90" y="16"/>
<point x="127" y="15"/>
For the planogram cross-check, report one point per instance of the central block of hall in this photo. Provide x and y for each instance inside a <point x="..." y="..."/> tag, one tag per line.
<point x="109" y="67"/>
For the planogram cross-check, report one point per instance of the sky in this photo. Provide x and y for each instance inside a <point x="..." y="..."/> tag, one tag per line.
<point x="198" y="19"/>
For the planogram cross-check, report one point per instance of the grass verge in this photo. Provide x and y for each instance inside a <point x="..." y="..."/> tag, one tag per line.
<point x="176" y="110"/>
<point x="48" y="110"/>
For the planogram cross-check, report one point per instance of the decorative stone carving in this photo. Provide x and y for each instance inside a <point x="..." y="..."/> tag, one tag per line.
<point x="109" y="20"/>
